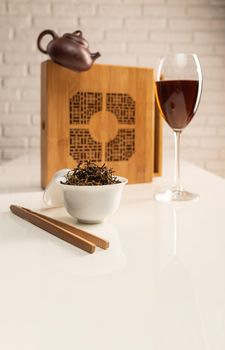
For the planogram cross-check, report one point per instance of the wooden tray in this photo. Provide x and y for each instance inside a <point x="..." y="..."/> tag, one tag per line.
<point x="106" y="114"/>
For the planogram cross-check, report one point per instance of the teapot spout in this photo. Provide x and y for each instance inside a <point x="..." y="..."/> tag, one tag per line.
<point x="95" y="55"/>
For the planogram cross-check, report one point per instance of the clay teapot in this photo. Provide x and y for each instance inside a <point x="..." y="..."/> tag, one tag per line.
<point x="71" y="50"/>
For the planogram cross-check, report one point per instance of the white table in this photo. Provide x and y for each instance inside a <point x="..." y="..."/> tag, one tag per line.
<point x="160" y="286"/>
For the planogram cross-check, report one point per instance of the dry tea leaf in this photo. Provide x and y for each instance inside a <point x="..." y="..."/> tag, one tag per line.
<point x="88" y="173"/>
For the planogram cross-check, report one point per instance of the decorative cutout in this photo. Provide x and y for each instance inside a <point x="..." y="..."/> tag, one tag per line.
<point x="122" y="147"/>
<point x="123" y="106"/>
<point x="83" y="147"/>
<point x="83" y="105"/>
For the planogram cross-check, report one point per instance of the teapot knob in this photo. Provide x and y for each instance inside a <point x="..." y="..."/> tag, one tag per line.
<point x="45" y="32"/>
<point x="78" y="33"/>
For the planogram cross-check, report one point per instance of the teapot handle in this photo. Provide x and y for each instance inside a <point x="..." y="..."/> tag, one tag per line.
<point x="45" y="32"/>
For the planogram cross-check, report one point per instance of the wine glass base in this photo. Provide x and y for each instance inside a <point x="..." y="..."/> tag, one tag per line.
<point x="175" y="196"/>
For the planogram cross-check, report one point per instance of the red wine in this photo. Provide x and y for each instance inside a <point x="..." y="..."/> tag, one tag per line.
<point x="178" y="101"/>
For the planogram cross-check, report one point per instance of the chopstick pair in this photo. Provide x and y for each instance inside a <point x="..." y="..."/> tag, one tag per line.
<point x="79" y="238"/>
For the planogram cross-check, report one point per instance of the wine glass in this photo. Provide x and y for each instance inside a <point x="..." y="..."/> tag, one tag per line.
<point x="178" y="91"/>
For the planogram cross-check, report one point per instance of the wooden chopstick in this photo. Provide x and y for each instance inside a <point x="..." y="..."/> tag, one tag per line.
<point x="98" y="241"/>
<point x="51" y="227"/>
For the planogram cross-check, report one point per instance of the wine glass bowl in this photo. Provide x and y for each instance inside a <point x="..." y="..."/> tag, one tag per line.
<point x="178" y="91"/>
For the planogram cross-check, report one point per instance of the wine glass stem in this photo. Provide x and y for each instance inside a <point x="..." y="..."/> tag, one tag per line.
<point x="177" y="186"/>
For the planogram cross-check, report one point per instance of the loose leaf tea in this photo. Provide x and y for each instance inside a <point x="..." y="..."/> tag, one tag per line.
<point x="88" y="173"/>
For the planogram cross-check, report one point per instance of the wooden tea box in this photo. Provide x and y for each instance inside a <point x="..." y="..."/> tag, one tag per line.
<point x="106" y="114"/>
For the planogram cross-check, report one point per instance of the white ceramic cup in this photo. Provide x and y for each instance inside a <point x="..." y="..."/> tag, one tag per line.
<point x="88" y="204"/>
<point x="91" y="204"/>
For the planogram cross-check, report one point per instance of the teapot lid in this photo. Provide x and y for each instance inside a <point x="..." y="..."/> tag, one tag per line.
<point x="77" y="37"/>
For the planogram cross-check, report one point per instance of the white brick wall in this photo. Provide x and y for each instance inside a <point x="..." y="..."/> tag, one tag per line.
<point x="127" y="32"/>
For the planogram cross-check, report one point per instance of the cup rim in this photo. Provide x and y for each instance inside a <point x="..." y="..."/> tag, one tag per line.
<point x="123" y="180"/>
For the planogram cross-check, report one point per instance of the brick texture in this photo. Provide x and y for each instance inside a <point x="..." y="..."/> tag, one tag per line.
<point x="126" y="32"/>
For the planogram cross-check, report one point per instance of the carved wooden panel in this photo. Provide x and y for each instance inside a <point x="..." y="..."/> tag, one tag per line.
<point x="83" y="106"/>
<point x="105" y="114"/>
